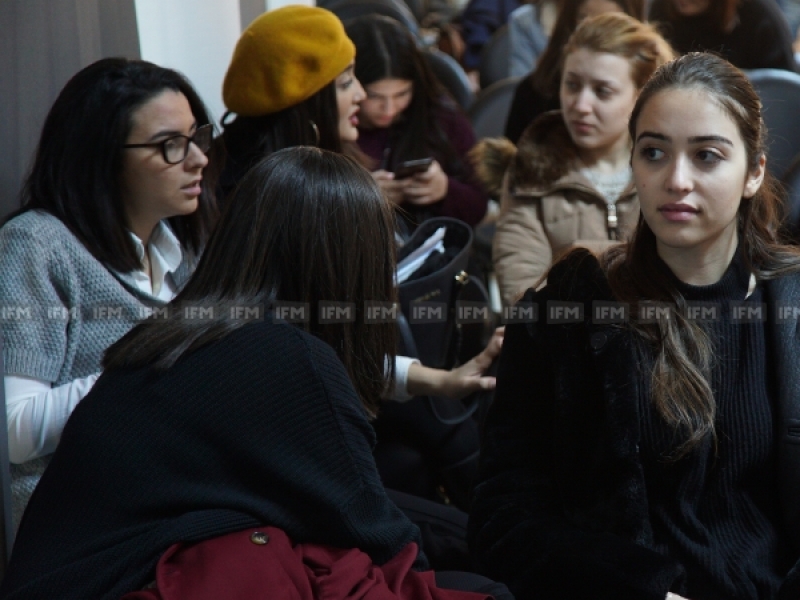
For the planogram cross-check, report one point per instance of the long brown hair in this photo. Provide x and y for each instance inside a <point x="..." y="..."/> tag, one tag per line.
<point x="545" y="154"/>
<point x="305" y="225"/>
<point x="546" y="77"/>
<point x="683" y="354"/>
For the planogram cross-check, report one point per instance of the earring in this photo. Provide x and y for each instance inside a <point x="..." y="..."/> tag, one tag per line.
<point x="316" y="131"/>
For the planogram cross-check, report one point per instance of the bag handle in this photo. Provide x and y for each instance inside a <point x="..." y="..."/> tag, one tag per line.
<point x="462" y="280"/>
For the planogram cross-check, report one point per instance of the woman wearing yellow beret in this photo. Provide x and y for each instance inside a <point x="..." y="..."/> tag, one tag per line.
<point x="290" y="83"/>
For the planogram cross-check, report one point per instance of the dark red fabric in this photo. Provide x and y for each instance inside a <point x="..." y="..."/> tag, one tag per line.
<point x="234" y="567"/>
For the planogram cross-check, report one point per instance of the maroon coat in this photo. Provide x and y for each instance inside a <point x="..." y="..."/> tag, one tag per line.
<point x="262" y="563"/>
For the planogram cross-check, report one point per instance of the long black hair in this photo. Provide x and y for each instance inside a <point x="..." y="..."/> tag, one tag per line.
<point x="246" y="140"/>
<point x="75" y="174"/>
<point x="304" y="225"/>
<point x="386" y="50"/>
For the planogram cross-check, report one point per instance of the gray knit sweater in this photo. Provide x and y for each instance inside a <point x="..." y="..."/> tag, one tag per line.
<point x="60" y="308"/>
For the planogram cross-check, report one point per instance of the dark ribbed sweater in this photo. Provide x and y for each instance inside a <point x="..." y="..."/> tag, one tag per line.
<point x="717" y="513"/>
<point x="261" y="427"/>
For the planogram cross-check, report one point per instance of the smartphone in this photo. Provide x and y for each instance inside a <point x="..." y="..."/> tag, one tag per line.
<point x="412" y="167"/>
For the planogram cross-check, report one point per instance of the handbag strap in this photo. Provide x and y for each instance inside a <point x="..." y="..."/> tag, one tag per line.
<point x="477" y="398"/>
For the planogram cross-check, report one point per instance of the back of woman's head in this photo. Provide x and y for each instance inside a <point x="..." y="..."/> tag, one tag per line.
<point x="78" y="162"/>
<point x="547" y="74"/>
<point x="304" y="226"/>
<point x="619" y="34"/>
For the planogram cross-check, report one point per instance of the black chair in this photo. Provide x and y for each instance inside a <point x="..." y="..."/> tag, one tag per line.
<point x="351" y="9"/>
<point x="791" y="183"/>
<point x="417" y="8"/>
<point x="451" y="75"/>
<point x="494" y="58"/>
<point x="780" y="94"/>
<point x="6" y="527"/>
<point x="489" y="112"/>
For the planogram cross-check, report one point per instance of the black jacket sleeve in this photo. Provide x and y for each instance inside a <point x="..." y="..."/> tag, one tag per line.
<point x="519" y="530"/>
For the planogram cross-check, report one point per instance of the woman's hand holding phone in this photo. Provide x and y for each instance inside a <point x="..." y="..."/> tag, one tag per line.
<point x="428" y="187"/>
<point x="393" y="189"/>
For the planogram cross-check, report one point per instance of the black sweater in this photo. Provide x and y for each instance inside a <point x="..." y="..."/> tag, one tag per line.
<point x="262" y="427"/>
<point x="561" y="509"/>
<point x="717" y="512"/>
<point x="761" y="38"/>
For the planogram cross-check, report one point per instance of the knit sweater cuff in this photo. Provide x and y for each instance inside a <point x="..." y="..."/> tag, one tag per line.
<point x="31" y="364"/>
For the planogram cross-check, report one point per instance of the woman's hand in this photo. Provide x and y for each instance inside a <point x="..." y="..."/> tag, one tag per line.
<point x="393" y="190"/>
<point x="428" y="187"/>
<point x="461" y="381"/>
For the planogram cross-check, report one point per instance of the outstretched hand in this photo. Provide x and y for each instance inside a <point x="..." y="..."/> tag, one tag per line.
<point x="469" y="377"/>
<point x="461" y="381"/>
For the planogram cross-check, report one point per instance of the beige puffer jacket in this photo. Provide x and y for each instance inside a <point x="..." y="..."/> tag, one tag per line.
<point x="547" y="206"/>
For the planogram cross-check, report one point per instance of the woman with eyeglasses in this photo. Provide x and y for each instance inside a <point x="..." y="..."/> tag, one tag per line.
<point x="114" y="213"/>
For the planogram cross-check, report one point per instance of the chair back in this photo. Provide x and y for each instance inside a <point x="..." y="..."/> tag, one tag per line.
<point x="6" y="527"/>
<point x="351" y="9"/>
<point x="791" y="183"/>
<point x="489" y="112"/>
<point x="779" y="91"/>
<point x="451" y="75"/>
<point x="494" y="64"/>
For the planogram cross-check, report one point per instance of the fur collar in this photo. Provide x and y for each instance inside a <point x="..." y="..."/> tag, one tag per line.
<point x="545" y="153"/>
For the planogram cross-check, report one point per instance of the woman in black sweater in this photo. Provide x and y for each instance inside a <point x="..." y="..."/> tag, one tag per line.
<point x="643" y="442"/>
<point x="215" y="416"/>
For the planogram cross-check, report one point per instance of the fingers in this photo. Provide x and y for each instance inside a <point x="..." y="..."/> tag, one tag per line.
<point x="382" y="175"/>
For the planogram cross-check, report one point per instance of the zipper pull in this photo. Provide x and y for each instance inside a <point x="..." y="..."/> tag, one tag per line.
<point x="611" y="217"/>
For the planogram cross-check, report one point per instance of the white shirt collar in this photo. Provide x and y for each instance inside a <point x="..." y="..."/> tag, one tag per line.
<point x="165" y="257"/>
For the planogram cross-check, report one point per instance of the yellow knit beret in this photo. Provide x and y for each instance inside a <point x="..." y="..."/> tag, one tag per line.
<point x="284" y="57"/>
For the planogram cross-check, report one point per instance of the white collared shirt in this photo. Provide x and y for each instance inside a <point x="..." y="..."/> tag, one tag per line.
<point x="38" y="411"/>
<point x="165" y="256"/>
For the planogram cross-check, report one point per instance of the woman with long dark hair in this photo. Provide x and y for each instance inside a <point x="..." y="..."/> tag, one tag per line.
<point x="290" y="82"/>
<point x="407" y="115"/>
<point x="646" y="445"/>
<point x="538" y="92"/>
<point x="115" y="211"/>
<point x="245" y="405"/>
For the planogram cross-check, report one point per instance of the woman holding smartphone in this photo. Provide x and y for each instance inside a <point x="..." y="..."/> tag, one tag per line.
<point x="407" y="116"/>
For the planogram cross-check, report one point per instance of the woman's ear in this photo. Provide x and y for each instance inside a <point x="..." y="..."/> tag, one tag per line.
<point x="755" y="178"/>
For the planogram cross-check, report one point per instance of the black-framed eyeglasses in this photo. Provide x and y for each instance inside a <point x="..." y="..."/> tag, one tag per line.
<point x="175" y="149"/>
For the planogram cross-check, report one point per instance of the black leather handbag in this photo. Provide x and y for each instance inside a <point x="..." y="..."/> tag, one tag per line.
<point x="429" y="445"/>
<point x="428" y="298"/>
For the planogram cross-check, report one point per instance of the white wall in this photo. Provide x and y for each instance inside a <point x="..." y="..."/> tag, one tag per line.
<point x="195" y="37"/>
